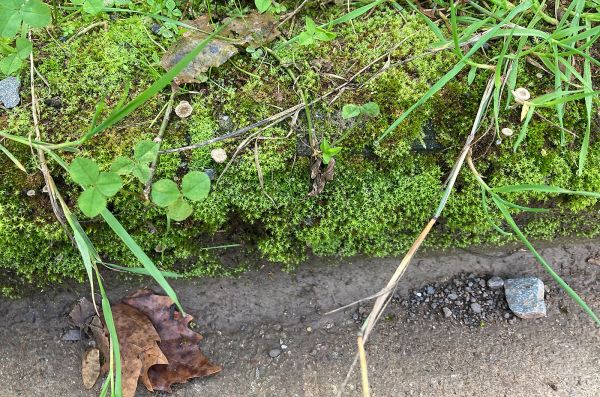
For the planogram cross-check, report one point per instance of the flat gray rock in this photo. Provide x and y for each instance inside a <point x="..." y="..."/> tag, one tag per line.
<point x="9" y="92"/>
<point x="525" y="297"/>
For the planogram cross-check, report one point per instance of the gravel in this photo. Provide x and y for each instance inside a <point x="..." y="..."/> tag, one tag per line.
<point x="468" y="299"/>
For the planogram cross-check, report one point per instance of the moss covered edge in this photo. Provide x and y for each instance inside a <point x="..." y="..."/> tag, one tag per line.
<point x="379" y="200"/>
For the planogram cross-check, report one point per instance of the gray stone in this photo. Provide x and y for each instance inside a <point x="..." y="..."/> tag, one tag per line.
<point x="476" y="307"/>
<point x="430" y="290"/>
<point x="72" y="335"/>
<point x="9" y="92"/>
<point x="452" y="296"/>
<point x="525" y="297"/>
<point x="447" y="312"/>
<point x="273" y="353"/>
<point x="495" y="282"/>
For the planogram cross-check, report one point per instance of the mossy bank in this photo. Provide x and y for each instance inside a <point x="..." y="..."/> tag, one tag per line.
<point x="380" y="197"/>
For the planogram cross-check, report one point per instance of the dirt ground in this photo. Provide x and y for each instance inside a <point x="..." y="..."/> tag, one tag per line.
<point x="244" y="319"/>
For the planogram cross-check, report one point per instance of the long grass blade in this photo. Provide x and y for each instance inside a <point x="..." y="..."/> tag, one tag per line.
<point x="156" y="274"/>
<point x="545" y="264"/>
<point x="542" y="189"/>
<point x="585" y="145"/>
<point x="456" y="69"/>
<point x="122" y="112"/>
<point x="12" y="158"/>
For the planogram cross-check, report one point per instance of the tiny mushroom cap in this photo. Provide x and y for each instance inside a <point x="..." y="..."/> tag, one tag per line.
<point x="219" y="155"/>
<point x="507" y="131"/>
<point x="521" y="94"/>
<point x="184" y="109"/>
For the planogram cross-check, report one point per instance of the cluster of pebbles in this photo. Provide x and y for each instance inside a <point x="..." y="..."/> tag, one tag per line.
<point x="467" y="299"/>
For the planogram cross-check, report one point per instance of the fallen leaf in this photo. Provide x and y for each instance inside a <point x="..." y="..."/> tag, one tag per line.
<point x="138" y="342"/>
<point x="253" y="29"/>
<point x="82" y="312"/>
<point x="216" y="53"/>
<point x="90" y="367"/>
<point x="321" y="176"/>
<point x="177" y="341"/>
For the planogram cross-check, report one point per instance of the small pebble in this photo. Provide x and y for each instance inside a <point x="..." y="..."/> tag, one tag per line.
<point x="476" y="307"/>
<point x="219" y="155"/>
<point x="273" y="353"/>
<point x="447" y="312"/>
<point x="525" y="297"/>
<point x="495" y="282"/>
<point x="9" y="92"/>
<point x="452" y="296"/>
<point x="430" y="290"/>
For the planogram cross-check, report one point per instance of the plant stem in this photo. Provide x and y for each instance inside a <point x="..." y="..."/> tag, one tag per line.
<point x="159" y="137"/>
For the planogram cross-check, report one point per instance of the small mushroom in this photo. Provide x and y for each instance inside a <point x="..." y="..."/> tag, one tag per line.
<point x="521" y="95"/>
<point x="219" y="155"/>
<point x="31" y="193"/>
<point x="507" y="131"/>
<point x="184" y="109"/>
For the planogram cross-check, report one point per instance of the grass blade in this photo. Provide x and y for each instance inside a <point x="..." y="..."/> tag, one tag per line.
<point x="12" y="158"/>
<point x="156" y="274"/>
<point x="585" y="144"/>
<point x="456" y="69"/>
<point x="542" y="189"/>
<point x="545" y="264"/>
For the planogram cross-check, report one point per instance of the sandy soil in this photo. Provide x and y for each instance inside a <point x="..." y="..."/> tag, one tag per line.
<point x="243" y="319"/>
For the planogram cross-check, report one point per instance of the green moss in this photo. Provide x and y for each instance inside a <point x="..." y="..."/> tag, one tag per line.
<point x="381" y="195"/>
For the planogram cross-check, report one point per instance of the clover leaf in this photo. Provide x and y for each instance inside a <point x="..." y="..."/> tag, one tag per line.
<point x="98" y="186"/>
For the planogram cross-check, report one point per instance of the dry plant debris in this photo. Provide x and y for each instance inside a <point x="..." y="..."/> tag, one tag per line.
<point x="253" y="29"/>
<point x="157" y="345"/>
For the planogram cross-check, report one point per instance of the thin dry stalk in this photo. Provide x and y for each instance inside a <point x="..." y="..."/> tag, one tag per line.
<point x="58" y="213"/>
<point x="384" y="298"/>
<point x="158" y="140"/>
<point x="364" y="372"/>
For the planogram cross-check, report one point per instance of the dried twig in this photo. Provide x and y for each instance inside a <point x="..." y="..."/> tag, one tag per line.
<point x="58" y="213"/>
<point x="158" y="140"/>
<point x="384" y="298"/>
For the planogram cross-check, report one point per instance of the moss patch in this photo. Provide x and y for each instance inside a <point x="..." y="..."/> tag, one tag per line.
<point x="381" y="195"/>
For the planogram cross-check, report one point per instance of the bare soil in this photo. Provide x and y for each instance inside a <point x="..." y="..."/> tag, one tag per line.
<point x="410" y="354"/>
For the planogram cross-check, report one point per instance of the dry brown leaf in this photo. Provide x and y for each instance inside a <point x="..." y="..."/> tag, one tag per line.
<point x="177" y="341"/>
<point x="90" y="367"/>
<point x="253" y="29"/>
<point x="321" y="176"/>
<point x="82" y="312"/>
<point x="138" y="344"/>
